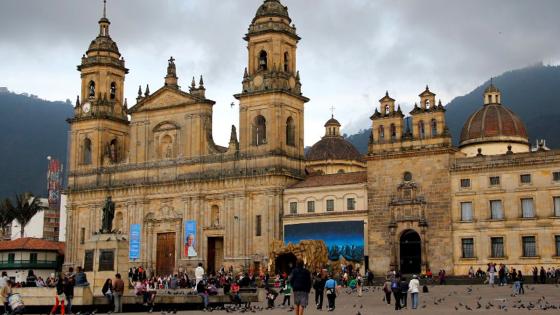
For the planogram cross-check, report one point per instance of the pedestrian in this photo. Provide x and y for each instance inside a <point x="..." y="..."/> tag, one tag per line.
<point x="387" y="289"/>
<point x="442" y="277"/>
<point x="359" y="283"/>
<point x="107" y="291"/>
<point x="330" y="288"/>
<point x="319" y="287"/>
<point x="287" y="291"/>
<point x="300" y="279"/>
<point x="202" y="292"/>
<point x="543" y="275"/>
<point x="404" y="291"/>
<point x="520" y="279"/>
<point x="271" y="295"/>
<point x="370" y="278"/>
<point x="198" y="273"/>
<point x="69" y="292"/>
<point x="414" y="289"/>
<point x="5" y="292"/>
<point x="535" y="275"/>
<point x="118" y="291"/>
<point x="396" y="291"/>
<point x="60" y="297"/>
<point x="491" y="273"/>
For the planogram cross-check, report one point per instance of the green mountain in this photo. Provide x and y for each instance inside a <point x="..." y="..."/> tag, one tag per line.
<point x="533" y="93"/>
<point x="32" y="130"/>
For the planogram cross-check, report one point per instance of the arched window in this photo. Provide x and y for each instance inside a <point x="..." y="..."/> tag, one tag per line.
<point x="91" y="88"/>
<point x="286" y="62"/>
<point x="215" y="216"/>
<point x="113" y="90"/>
<point x="421" y="130"/>
<point x="433" y="125"/>
<point x="290" y="132"/>
<point x="263" y="61"/>
<point x="393" y="132"/>
<point x="381" y="132"/>
<point x="427" y="104"/>
<point x="387" y="109"/>
<point x="259" y="131"/>
<point x="87" y="151"/>
<point x="340" y="171"/>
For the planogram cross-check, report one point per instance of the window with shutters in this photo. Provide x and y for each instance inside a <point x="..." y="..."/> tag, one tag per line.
<point x="527" y="209"/>
<point x="496" y="210"/>
<point x="525" y="178"/>
<point x="529" y="246"/>
<point x="259" y="131"/>
<point x="330" y="205"/>
<point x="497" y="250"/>
<point x="293" y="207"/>
<point x="494" y="180"/>
<point x="556" y="201"/>
<point x="465" y="183"/>
<point x="351" y="204"/>
<point x="467" y="245"/>
<point x="311" y="206"/>
<point x="466" y="211"/>
<point x="557" y="242"/>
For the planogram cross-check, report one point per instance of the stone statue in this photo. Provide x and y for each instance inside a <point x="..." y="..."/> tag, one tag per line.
<point x="108" y="215"/>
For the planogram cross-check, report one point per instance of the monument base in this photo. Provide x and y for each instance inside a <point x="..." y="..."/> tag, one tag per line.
<point x="105" y="255"/>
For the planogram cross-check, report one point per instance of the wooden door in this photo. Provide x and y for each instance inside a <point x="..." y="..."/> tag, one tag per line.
<point x="215" y="254"/>
<point x="165" y="260"/>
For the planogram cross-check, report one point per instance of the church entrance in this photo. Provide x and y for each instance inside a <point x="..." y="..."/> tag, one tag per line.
<point x="285" y="263"/>
<point x="410" y="252"/>
<point x="165" y="260"/>
<point x="215" y="254"/>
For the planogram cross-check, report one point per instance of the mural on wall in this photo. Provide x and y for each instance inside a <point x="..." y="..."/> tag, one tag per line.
<point x="343" y="239"/>
<point x="190" y="238"/>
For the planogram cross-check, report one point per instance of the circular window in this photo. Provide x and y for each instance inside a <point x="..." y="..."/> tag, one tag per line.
<point x="407" y="176"/>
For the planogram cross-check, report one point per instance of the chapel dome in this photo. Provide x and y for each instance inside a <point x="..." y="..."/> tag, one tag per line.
<point x="493" y="123"/>
<point x="103" y="43"/>
<point x="333" y="148"/>
<point x="271" y="8"/>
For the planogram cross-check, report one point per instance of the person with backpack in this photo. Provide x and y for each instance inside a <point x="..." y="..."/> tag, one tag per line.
<point x="396" y="289"/>
<point x="330" y="287"/>
<point x="319" y="287"/>
<point x="387" y="290"/>
<point x="404" y="291"/>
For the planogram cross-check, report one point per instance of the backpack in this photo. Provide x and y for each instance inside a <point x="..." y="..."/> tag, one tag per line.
<point x="425" y="289"/>
<point x="394" y="284"/>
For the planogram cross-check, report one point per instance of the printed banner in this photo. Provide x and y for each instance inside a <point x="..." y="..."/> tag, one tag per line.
<point x="134" y="247"/>
<point x="343" y="239"/>
<point x="190" y="239"/>
<point x="54" y="182"/>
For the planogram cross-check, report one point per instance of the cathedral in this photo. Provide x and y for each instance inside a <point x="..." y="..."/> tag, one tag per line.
<point x="414" y="202"/>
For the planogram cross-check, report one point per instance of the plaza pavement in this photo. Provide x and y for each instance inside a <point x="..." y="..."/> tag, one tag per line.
<point x="450" y="299"/>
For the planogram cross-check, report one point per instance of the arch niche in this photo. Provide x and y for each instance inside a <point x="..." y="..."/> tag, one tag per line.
<point x="410" y="252"/>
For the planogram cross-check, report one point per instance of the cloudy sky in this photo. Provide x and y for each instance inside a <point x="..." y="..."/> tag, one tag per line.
<point x="350" y="53"/>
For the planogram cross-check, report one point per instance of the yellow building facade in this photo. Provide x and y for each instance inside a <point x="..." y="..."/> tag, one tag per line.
<point x="196" y="201"/>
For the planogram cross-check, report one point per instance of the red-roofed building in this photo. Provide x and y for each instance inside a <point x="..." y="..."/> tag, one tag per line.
<point x="19" y="256"/>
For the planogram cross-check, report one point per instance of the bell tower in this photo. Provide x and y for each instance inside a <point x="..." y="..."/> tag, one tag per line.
<point x="99" y="127"/>
<point x="271" y="104"/>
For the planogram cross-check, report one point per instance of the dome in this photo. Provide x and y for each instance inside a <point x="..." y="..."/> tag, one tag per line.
<point x="493" y="123"/>
<point x="333" y="148"/>
<point x="272" y="8"/>
<point x="332" y="122"/>
<point x="103" y="43"/>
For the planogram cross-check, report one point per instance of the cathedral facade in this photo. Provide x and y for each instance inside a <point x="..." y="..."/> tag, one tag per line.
<point x="195" y="201"/>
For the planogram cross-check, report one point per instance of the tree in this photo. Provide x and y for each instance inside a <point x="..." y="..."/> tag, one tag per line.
<point x="6" y="216"/>
<point x="25" y="208"/>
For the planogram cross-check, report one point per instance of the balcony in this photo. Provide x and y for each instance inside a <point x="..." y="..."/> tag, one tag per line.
<point x="28" y="264"/>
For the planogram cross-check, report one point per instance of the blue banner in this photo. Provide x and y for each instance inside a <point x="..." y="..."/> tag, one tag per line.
<point x="190" y="239"/>
<point x="134" y="246"/>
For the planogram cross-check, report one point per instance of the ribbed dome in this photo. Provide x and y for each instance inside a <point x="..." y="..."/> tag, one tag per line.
<point x="493" y="123"/>
<point x="333" y="148"/>
<point x="332" y="122"/>
<point x="103" y="43"/>
<point x="272" y="8"/>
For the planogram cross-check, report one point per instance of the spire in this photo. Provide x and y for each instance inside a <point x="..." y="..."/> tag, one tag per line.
<point x="201" y="82"/>
<point x="77" y="101"/>
<point x="139" y="91"/>
<point x="245" y="74"/>
<point x="193" y="84"/>
<point x="233" y="135"/>
<point x="104" y="22"/>
<point x="147" y="92"/>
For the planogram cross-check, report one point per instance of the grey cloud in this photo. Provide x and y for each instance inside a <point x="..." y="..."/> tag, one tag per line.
<point x="351" y="51"/>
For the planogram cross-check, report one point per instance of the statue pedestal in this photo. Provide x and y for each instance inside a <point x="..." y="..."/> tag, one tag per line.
<point x="105" y="255"/>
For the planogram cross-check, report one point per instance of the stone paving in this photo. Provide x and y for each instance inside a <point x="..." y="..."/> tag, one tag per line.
<point x="451" y="299"/>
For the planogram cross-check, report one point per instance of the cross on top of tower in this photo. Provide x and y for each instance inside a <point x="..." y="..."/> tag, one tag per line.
<point x="332" y="111"/>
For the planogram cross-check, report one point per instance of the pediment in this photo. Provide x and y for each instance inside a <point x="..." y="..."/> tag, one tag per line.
<point x="163" y="98"/>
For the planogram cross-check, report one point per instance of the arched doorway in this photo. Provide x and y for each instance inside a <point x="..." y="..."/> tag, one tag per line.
<point x="410" y="252"/>
<point x="285" y="263"/>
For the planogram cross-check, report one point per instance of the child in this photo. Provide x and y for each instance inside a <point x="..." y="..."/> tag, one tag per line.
<point x="270" y="297"/>
<point x="287" y="290"/>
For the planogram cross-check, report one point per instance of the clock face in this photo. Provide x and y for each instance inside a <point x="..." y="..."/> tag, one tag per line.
<point x="86" y="107"/>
